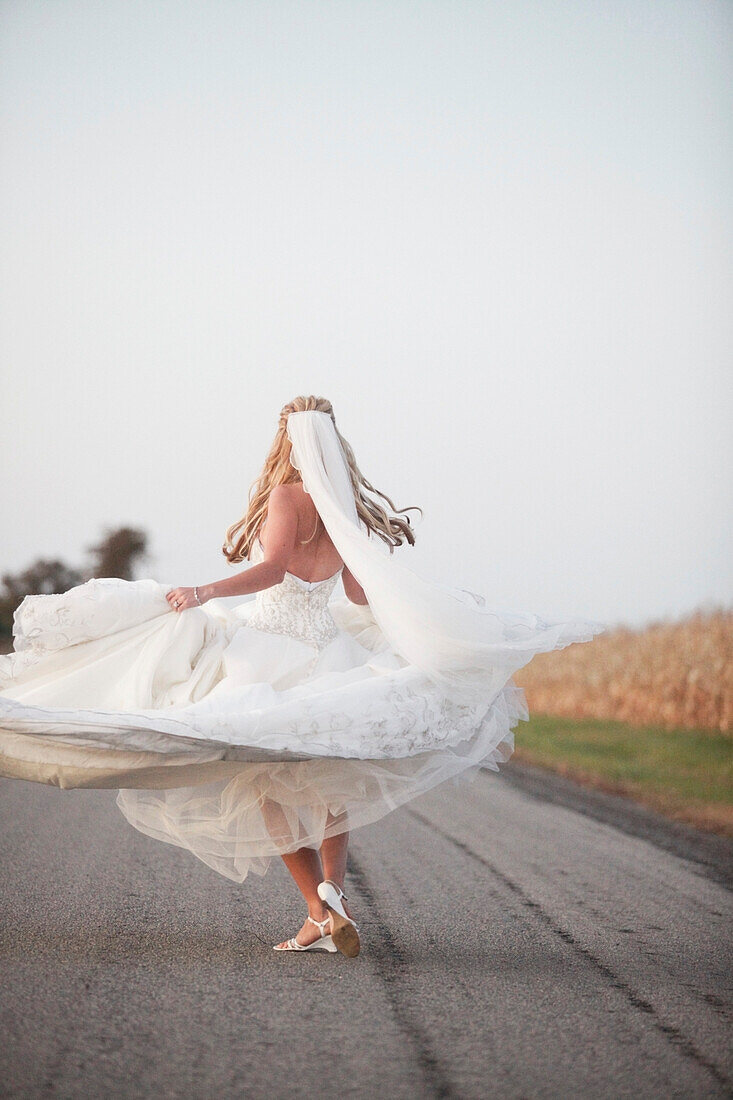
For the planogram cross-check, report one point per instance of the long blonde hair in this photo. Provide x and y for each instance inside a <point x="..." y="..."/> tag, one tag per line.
<point x="391" y="526"/>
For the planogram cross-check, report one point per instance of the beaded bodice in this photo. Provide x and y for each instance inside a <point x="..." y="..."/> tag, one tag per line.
<point x="296" y="607"/>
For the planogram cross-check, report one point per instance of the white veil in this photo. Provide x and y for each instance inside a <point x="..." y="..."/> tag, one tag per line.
<point x="448" y="633"/>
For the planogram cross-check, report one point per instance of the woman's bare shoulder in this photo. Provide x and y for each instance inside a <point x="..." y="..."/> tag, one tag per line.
<point x="290" y="504"/>
<point x="285" y="497"/>
<point x="292" y="490"/>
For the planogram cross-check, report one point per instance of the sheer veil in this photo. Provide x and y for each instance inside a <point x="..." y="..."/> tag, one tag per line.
<point x="465" y="648"/>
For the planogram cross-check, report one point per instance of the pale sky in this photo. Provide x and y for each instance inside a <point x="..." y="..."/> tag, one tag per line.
<point x="498" y="236"/>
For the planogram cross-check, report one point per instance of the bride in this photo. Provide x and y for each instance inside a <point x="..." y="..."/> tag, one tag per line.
<point x="277" y="727"/>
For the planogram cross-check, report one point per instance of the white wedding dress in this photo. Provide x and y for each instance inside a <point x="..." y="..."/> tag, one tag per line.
<point x="240" y="734"/>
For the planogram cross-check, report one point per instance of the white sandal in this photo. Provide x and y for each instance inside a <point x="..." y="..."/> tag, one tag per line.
<point x="325" y="943"/>
<point x="344" y="933"/>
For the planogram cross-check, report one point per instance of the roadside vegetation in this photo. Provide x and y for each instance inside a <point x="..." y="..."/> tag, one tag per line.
<point x="685" y="774"/>
<point x="644" y="713"/>
<point x="115" y="555"/>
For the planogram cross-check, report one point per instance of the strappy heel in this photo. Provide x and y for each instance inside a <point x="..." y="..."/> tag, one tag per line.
<point x="325" y="943"/>
<point x="344" y="932"/>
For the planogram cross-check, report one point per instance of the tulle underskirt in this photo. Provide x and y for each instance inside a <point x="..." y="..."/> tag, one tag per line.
<point x="237" y="825"/>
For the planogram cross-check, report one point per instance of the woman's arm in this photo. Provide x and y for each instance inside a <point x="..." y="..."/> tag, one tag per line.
<point x="353" y="589"/>
<point x="282" y="530"/>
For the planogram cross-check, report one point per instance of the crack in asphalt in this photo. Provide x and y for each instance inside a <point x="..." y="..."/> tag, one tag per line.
<point x="391" y="963"/>
<point x="670" y="1033"/>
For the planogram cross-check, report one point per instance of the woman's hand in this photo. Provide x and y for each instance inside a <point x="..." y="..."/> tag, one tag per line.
<point x="182" y="598"/>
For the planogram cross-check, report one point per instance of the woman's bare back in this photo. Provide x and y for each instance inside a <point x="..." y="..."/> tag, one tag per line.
<point x="314" y="556"/>
<point x="311" y="555"/>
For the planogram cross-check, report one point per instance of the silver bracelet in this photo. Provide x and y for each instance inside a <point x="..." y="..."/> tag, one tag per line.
<point x="196" y="596"/>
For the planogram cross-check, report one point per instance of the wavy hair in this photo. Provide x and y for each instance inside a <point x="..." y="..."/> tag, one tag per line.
<point x="391" y="524"/>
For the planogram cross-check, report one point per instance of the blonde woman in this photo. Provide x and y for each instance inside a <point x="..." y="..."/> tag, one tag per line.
<point x="276" y="728"/>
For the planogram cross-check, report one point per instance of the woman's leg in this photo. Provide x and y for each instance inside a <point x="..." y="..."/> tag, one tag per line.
<point x="333" y="856"/>
<point x="305" y="867"/>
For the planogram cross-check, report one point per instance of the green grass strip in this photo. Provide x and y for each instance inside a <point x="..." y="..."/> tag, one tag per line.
<point x="675" y="766"/>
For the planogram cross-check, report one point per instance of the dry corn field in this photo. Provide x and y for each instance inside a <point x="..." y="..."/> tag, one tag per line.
<point x="675" y="675"/>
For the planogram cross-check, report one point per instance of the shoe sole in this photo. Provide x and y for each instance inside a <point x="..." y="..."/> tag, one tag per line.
<point x="343" y="934"/>
<point x="343" y="930"/>
<point x="326" y="944"/>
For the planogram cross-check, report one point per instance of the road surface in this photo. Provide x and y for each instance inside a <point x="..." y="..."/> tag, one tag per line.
<point x="521" y="939"/>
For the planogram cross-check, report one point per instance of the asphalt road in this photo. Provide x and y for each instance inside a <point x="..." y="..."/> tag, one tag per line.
<point x="521" y="939"/>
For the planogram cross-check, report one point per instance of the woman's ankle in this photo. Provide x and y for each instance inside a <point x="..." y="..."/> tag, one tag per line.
<point x="336" y="880"/>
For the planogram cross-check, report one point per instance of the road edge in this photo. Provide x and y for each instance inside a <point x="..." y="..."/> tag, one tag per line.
<point x="712" y="854"/>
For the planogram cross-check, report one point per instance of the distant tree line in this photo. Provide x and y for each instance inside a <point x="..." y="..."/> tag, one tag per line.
<point x="115" y="556"/>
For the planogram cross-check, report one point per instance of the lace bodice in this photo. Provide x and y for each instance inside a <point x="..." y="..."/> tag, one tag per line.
<point x="296" y="607"/>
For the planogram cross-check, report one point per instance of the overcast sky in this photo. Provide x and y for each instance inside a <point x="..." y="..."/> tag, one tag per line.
<point x="496" y="235"/>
